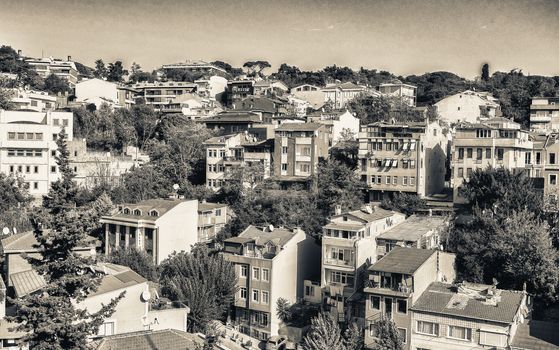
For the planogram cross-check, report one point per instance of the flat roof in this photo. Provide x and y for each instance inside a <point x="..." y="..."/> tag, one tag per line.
<point x="299" y="127"/>
<point x="413" y="228"/>
<point x="402" y="260"/>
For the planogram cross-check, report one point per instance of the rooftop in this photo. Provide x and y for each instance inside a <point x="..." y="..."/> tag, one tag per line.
<point x="232" y="117"/>
<point x="470" y="301"/>
<point x="162" y="206"/>
<point x="402" y="260"/>
<point x="344" y="86"/>
<point x="26" y="241"/>
<point x="116" y="277"/>
<point x="206" y="206"/>
<point x="299" y="127"/>
<point x="260" y="236"/>
<point x="376" y="213"/>
<point x="536" y="335"/>
<point x="167" y="339"/>
<point x="413" y="228"/>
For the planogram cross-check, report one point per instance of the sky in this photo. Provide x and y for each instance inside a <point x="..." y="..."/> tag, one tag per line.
<point x="403" y="37"/>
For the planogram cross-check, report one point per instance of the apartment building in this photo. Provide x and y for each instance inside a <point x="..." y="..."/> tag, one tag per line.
<point x="238" y="90"/>
<point x="340" y="94"/>
<point x="468" y="106"/>
<point x="395" y="284"/>
<point x="267" y="108"/>
<point x="161" y="94"/>
<point x="270" y="263"/>
<point x="63" y="69"/>
<point x="232" y="122"/>
<point x="225" y="153"/>
<point x="192" y="106"/>
<point x="196" y="67"/>
<point x="467" y="316"/>
<point x="297" y="149"/>
<point x="212" y="217"/>
<point x="417" y="231"/>
<point x="544" y="114"/>
<point x="309" y="93"/>
<point x="398" y="158"/>
<point x="497" y="142"/>
<point x="348" y="246"/>
<point x="270" y="87"/>
<point x="159" y="227"/>
<point x="550" y="172"/>
<point x="404" y="92"/>
<point x="337" y="123"/>
<point x="28" y="146"/>
<point x="98" y="91"/>
<point x="29" y="100"/>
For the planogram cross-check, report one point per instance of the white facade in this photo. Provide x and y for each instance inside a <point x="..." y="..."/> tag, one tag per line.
<point x="407" y="93"/>
<point x="97" y="91"/>
<point x="340" y="94"/>
<point x="38" y="101"/>
<point x="467" y="106"/>
<point x="28" y="146"/>
<point x="63" y="69"/>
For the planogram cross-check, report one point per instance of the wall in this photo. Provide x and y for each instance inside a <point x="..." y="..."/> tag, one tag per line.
<point x="462" y="107"/>
<point x="94" y="89"/>
<point x="178" y="229"/>
<point x="168" y="319"/>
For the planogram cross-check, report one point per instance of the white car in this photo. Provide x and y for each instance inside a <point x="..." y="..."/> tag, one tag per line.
<point x="277" y="342"/>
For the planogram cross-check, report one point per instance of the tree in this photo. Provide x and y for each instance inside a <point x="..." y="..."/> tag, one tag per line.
<point x="135" y="68"/>
<point x="93" y="211"/>
<point x="228" y="68"/>
<point x="485" y="72"/>
<point x="141" y="183"/>
<point x="6" y="95"/>
<point x="14" y="202"/>
<point x="407" y="203"/>
<point x="255" y="68"/>
<point x="324" y="334"/>
<point x="345" y="151"/>
<point x="116" y="72"/>
<point x="137" y="260"/>
<point x="387" y="336"/>
<point x="202" y="280"/>
<point x="283" y="309"/>
<point x="370" y="108"/>
<point x="100" y="69"/>
<point x="51" y="318"/>
<point x="54" y="84"/>
<point x="354" y="337"/>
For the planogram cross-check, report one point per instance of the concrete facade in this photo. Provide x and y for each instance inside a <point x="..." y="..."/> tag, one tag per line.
<point x="468" y="106"/>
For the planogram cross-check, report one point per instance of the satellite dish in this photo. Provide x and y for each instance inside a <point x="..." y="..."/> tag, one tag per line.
<point x="14" y="231"/>
<point x="271" y="228"/>
<point x="146" y="295"/>
<point x="176" y="187"/>
<point x="6" y="231"/>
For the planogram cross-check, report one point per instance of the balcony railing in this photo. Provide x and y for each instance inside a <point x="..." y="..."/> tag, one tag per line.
<point x="396" y="287"/>
<point x="337" y="262"/>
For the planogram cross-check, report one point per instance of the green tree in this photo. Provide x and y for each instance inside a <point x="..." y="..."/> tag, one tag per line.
<point x="354" y="337"/>
<point x="116" y="72"/>
<point x="387" y="336"/>
<point x="324" y="333"/>
<point x="100" y="71"/>
<point x="54" y="84"/>
<point x="283" y="309"/>
<point x="202" y="280"/>
<point x="485" y="72"/>
<point x="137" y="260"/>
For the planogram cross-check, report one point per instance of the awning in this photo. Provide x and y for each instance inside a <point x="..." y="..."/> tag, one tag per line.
<point x="412" y="146"/>
<point x="387" y="162"/>
<point x="395" y="163"/>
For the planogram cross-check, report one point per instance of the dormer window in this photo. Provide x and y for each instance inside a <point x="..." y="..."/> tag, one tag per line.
<point x="345" y="218"/>
<point x="126" y="211"/>
<point x="154" y="213"/>
<point x="137" y="212"/>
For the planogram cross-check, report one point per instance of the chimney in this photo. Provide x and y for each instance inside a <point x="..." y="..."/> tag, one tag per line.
<point x="338" y="210"/>
<point x="430" y="212"/>
<point x="69" y="58"/>
<point x="19" y="53"/>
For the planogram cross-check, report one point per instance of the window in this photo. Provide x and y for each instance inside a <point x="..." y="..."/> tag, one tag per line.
<point x="243" y="293"/>
<point x="488" y="153"/>
<point x="21" y="136"/>
<point x="36" y="169"/>
<point x="265" y="297"/>
<point x="309" y="290"/>
<point x="405" y="181"/>
<point x="470" y="152"/>
<point x="284" y="150"/>
<point x="284" y="167"/>
<point x="19" y="169"/>
<point x="403" y="334"/>
<point x="27" y="169"/>
<point x="500" y="154"/>
<point x="459" y="333"/>
<point x="402" y="306"/>
<point x="65" y="122"/>
<point x="395" y="180"/>
<point x="468" y="173"/>
<point x="153" y="213"/>
<point x="107" y="328"/>
<point x="305" y="168"/>
<point x="388" y="180"/>
<point x="53" y="169"/>
<point x="552" y="158"/>
<point x="55" y="122"/>
<point x="479" y="153"/>
<point x="54" y="137"/>
<point x="412" y="180"/>
<point x="244" y="271"/>
<point x="460" y="153"/>
<point x="460" y="172"/>
<point x="35" y="185"/>
<point x="372" y="330"/>
<point x="11" y="136"/>
<point x="553" y="179"/>
<point x="375" y="302"/>
<point x="428" y="328"/>
<point x="255" y="273"/>
<point x="11" y="168"/>
<point x="538" y="158"/>
<point x="137" y="212"/>
<point x="265" y="275"/>
<point x="306" y="151"/>
<point x="255" y="295"/>
<point x="528" y="158"/>
<point x="492" y="339"/>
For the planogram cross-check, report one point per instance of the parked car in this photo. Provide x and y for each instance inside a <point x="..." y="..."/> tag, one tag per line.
<point x="277" y="342"/>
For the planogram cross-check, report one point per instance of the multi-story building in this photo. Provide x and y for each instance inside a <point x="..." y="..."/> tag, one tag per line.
<point x="212" y="217"/>
<point x="497" y="142"/>
<point x="340" y="94"/>
<point x="402" y="158"/>
<point x="270" y="263"/>
<point x="270" y="87"/>
<point x="161" y="94"/>
<point x="232" y="122"/>
<point x="268" y="108"/>
<point x="28" y="146"/>
<point x="63" y="69"/>
<point x="337" y="123"/>
<point x="29" y="100"/>
<point x="196" y="67"/>
<point x="405" y="92"/>
<point x="348" y="246"/>
<point x="467" y="316"/>
<point x="416" y="232"/>
<point x="297" y="149"/>
<point x="312" y="94"/>
<point x="192" y="106"/>
<point x="468" y="106"/>
<point x="157" y="226"/>
<point x="98" y="91"/>
<point x="550" y="172"/>
<point x="395" y="284"/>
<point x="544" y="114"/>
<point x="238" y="90"/>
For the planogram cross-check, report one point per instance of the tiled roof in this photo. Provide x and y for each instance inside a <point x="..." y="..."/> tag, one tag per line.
<point x="118" y="277"/>
<point x="413" y="228"/>
<point x="299" y="127"/>
<point x="162" y="206"/>
<point x="210" y="206"/>
<point x="376" y="214"/>
<point x="536" y="335"/>
<point x="168" y="339"/>
<point x="26" y="282"/>
<point x="442" y="298"/>
<point x="260" y="236"/>
<point x="26" y="241"/>
<point x="402" y="260"/>
<point x="232" y="117"/>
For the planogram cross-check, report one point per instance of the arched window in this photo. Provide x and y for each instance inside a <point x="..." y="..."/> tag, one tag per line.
<point x="137" y="212"/>
<point x="153" y="212"/>
<point x="126" y="211"/>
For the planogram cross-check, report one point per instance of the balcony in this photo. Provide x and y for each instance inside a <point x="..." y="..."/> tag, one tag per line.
<point x="396" y="285"/>
<point x="342" y="263"/>
<point x="540" y="119"/>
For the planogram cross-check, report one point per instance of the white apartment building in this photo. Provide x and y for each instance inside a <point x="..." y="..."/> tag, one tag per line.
<point x="340" y="94"/>
<point x="62" y="69"/>
<point x="28" y="146"/>
<point x="407" y="93"/>
<point x="544" y="114"/>
<point x="29" y="100"/>
<point x="336" y="123"/>
<point x="468" y="106"/>
<point x="161" y="94"/>
<point x="98" y="91"/>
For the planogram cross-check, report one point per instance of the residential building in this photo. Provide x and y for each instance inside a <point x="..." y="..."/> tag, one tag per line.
<point x="167" y="339"/>
<point x="268" y="108"/>
<point x="270" y="87"/>
<point x="467" y="316"/>
<point x="161" y="94"/>
<point x="213" y="87"/>
<point x="348" y="247"/>
<point x="28" y="146"/>
<point x="395" y="284"/>
<point x="29" y="100"/>
<point x="298" y="148"/>
<point x="212" y="217"/>
<point x="63" y="69"/>
<point x="270" y="263"/>
<point x="159" y="227"/>
<point x="312" y="94"/>
<point x="544" y="114"/>
<point x="192" y="106"/>
<point x="402" y="157"/>
<point x="496" y="142"/>
<point x="298" y="105"/>
<point x="232" y="122"/>
<point x="550" y="172"/>
<point x="405" y="92"/>
<point x="340" y="94"/>
<point x="238" y="90"/>
<point x="338" y="123"/>
<point x="417" y="231"/>
<point x="196" y="67"/>
<point x="10" y="339"/>
<point x="468" y="106"/>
